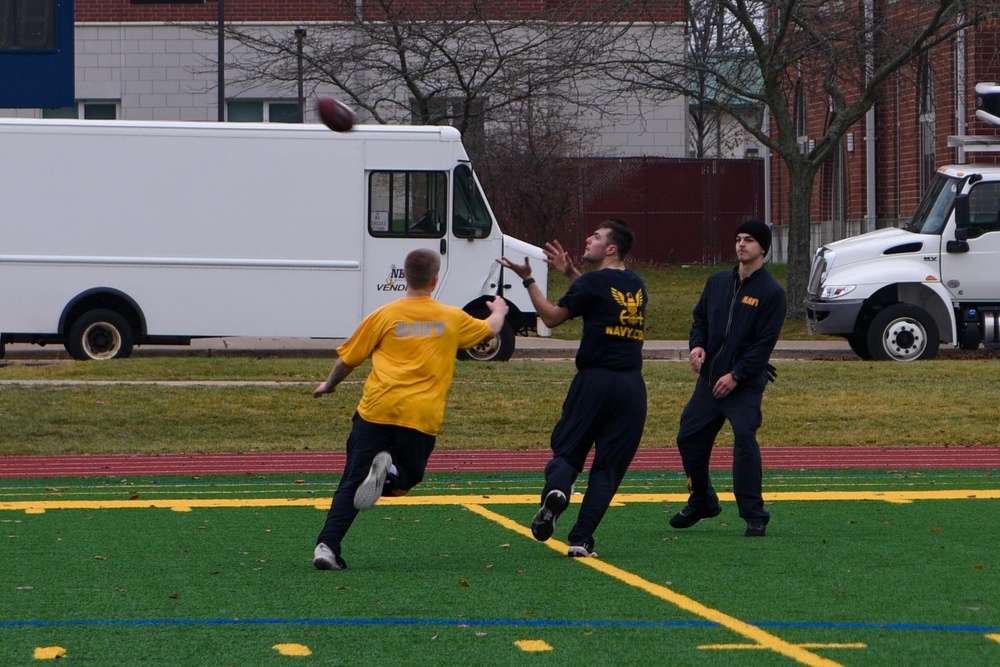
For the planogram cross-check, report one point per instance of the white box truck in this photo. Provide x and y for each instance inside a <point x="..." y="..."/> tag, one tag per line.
<point x="899" y="293"/>
<point x="122" y="233"/>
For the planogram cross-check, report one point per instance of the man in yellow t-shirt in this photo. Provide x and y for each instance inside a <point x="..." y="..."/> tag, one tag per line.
<point x="412" y="343"/>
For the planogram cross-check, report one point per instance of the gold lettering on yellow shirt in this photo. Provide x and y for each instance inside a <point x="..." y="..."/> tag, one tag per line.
<point x="419" y="329"/>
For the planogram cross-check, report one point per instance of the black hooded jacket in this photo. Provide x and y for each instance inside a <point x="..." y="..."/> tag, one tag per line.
<point x="738" y="324"/>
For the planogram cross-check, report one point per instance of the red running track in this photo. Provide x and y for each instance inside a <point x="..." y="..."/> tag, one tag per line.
<point x="775" y="458"/>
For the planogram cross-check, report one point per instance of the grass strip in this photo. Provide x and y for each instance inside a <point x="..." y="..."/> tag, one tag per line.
<point x="491" y="406"/>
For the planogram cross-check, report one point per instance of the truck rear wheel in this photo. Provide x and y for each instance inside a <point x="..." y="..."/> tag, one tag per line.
<point x="498" y="348"/>
<point x="903" y="332"/>
<point x="100" y="334"/>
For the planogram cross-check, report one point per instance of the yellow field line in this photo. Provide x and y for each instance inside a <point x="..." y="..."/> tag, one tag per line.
<point x="187" y="504"/>
<point x="761" y="637"/>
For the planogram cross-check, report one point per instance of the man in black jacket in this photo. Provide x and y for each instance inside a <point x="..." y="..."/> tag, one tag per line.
<point x="737" y="322"/>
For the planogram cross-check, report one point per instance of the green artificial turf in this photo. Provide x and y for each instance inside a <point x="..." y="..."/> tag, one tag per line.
<point x="855" y="582"/>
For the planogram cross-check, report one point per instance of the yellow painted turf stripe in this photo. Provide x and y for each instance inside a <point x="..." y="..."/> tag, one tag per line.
<point x="761" y="637"/>
<point x="186" y="504"/>
<point x="730" y="647"/>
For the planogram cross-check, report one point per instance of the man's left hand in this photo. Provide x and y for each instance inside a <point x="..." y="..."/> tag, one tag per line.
<point x="724" y="386"/>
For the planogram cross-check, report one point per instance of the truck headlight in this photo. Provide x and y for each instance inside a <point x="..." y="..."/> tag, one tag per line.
<point x="835" y="291"/>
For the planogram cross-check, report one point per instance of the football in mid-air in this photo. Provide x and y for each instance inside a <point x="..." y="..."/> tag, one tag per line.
<point x="335" y="114"/>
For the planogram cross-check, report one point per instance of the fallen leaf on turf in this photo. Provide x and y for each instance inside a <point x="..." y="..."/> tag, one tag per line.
<point x="480" y="634"/>
<point x="99" y="558"/>
<point x="174" y="596"/>
<point x="464" y="583"/>
<point x="978" y="566"/>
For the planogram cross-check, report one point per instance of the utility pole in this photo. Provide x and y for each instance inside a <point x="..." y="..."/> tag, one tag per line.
<point x="222" y="60"/>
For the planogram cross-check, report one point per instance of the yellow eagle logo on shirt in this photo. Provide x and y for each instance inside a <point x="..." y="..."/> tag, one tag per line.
<point x="630" y="315"/>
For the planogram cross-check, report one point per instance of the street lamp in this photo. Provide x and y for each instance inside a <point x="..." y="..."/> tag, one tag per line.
<point x="300" y="34"/>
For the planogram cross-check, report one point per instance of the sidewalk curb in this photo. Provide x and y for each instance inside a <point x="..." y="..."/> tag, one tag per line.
<point x="532" y="347"/>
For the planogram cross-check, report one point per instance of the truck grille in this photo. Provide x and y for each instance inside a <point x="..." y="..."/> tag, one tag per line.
<point x="816" y="273"/>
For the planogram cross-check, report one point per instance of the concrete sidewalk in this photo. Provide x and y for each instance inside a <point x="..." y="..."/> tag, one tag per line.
<point x="527" y="348"/>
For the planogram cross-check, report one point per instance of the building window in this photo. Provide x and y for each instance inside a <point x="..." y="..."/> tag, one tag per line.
<point x="85" y="110"/>
<point x="27" y="25"/>
<point x="801" y="118"/>
<point x="407" y="203"/>
<point x="263" y="111"/>
<point x="928" y="135"/>
<point x="838" y="191"/>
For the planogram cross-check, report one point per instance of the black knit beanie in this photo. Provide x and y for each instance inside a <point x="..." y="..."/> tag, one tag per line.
<point x="760" y="231"/>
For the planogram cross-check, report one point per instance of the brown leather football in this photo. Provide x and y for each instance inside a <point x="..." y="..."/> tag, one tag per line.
<point x="335" y="114"/>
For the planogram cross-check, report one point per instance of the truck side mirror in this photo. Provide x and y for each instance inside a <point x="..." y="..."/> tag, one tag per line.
<point x="962" y="217"/>
<point x="961" y="242"/>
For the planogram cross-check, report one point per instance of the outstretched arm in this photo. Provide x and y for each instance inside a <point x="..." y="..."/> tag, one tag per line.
<point x="498" y="313"/>
<point x="559" y="259"/>
<point x="551" y="314"/>
<point x="337" y="374"/>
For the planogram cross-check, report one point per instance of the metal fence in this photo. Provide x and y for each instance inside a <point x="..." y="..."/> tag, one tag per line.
<point x="682" y="210"/>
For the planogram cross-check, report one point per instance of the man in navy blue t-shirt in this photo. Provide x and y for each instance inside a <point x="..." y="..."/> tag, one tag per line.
<point x="605" y="408"/>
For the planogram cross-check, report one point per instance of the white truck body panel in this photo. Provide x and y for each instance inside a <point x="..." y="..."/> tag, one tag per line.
<point x="222" y="229"/>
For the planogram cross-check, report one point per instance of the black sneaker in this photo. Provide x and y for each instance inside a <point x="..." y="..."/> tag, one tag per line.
<point x="755" y="528"/>
<point x="689" y="516"/>
<point x="583" y="549"/>
<point x="544" y="523"/>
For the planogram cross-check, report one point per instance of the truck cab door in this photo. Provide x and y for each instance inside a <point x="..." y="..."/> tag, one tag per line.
<point x="406" y="210"/>
<point x="474" y="244"/>
<point x="970" y="275"/>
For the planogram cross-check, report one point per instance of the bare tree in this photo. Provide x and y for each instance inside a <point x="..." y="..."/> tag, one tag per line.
<point x="439" y="61"/>
<point x="528" y="166"/>
<point x="839" y="52"/>
<point x="711" y="45"/>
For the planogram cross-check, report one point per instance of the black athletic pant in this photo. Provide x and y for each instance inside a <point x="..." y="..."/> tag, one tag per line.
<point x="410" y="450"/>
<point x="604" y="410"/>
<point x="701" y="421"/>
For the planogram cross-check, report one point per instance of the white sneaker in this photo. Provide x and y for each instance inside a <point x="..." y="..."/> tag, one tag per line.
<point x="325" y="559"/>
<point x="582" y="550"/>
<point x="371" y="489"/>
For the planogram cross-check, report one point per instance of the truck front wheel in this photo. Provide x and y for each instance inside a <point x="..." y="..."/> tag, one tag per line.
<point x="98" y="335"/>
<point x="859" y="345"/>
<point x="903" y="332"/>
<point x="498" y="348"/>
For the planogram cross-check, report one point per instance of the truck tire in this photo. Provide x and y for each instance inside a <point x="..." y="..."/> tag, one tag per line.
<point x="98" y="335"/>
<point x="859" y="345"/>
<point x="903" y="332"/>
<point x="498" y="348"/>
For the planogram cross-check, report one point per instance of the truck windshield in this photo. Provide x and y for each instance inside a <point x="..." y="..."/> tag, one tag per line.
<point x="935" y="207"/>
